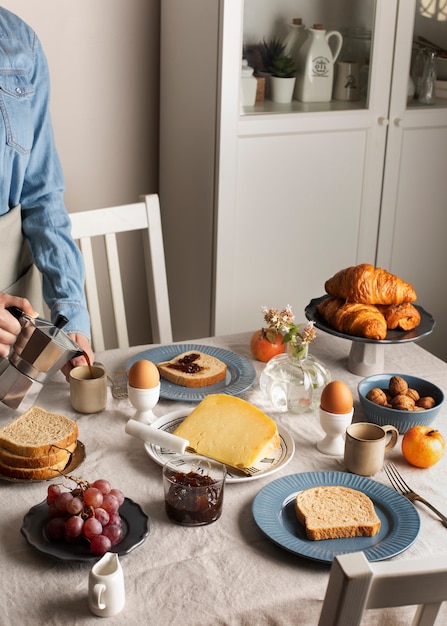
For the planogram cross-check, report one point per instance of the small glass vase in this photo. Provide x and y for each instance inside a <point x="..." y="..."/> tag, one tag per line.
<point x="294" y="381"/>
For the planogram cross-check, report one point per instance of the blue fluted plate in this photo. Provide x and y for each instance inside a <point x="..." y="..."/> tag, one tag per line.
<point x="274" y="513"/>
<point x="240" y="372"/>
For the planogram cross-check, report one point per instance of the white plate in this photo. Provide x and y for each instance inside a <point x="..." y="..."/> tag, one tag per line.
<point x="267" y="466"/>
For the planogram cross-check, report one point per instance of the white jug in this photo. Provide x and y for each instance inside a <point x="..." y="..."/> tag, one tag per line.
<point x="106" y="595"/>
<point x="315" y="71"/>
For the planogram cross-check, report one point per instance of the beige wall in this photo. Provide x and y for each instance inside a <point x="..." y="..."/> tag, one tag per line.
<point x="104" y="63"/>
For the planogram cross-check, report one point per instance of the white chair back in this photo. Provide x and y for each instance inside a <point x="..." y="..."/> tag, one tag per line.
<point x="107" y="223"/>
<point x="355" y="585"/>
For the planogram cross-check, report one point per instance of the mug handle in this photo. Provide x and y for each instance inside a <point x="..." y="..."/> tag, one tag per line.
<point x="392" y="430"/>
<point x="97" y="592"/>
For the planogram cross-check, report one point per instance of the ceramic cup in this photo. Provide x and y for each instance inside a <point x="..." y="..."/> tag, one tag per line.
<point x="88" y="388"/>
<point x="346" y="84"/>
<point x="106" y="593"/>
<point x="193" y="489"/>
<point x="366" y="445"/>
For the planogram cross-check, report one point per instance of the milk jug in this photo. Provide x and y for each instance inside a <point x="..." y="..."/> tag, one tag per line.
<point x="315" y="65"/>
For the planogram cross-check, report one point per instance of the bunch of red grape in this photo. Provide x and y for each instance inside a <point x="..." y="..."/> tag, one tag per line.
<point x="88" y="512"/>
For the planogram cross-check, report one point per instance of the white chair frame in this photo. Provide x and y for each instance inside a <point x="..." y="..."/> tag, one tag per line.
<point x="107" y="223"/>
<point x="355" y="585"/>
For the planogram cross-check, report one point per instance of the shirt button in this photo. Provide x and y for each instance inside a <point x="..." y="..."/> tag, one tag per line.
<point x="18" y="90"/>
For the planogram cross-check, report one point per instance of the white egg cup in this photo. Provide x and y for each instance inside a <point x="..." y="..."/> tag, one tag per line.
<point x="144" y="400"/>
<point x="334" y="425"/>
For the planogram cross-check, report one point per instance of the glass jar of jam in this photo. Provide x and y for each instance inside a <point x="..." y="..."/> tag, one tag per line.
<point x="193" y="489"/>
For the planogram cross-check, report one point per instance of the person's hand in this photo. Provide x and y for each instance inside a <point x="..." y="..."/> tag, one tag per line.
<point x="84" y="345"/>
<point x="9" y="325"/>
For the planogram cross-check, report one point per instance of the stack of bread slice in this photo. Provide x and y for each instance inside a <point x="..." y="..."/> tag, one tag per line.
<point x="38" y="445"/>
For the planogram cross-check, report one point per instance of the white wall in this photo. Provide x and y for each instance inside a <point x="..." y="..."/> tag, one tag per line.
<point x="104" y="63"/>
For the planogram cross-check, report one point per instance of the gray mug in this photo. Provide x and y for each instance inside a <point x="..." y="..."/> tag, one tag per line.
<point x="366" y="445"/>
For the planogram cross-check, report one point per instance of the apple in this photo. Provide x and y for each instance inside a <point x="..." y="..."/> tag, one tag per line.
<point x="265" y="344"/>
<point x="423" y="446"/>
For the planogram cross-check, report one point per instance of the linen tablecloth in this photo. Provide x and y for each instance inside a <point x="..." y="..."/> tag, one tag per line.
<point x="227" y="573"/>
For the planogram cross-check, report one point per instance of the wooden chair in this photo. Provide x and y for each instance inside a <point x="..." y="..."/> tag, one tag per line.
<point x="107" y="223"/>
<point x="355" y="585"/>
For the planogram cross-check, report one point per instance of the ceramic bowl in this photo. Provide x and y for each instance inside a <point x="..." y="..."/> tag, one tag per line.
<point x="402" y="420"/>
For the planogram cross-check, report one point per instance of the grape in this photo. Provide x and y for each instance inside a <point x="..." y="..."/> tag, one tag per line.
<point x="75" y="506"/>
<point x="62" y="499"/>
<point x="53" y="491"/>
<point x="74" y="526"/>
<point x="100" y="545"/>
<point x="110" y="503"/>
<point x="93" y="497"/>
<point x="103" y="485"/>
<point x="118" y="494"/>
<point x="55" y="528"/>
<point x="91" y="527"/>
<point x="114" y="533"/>
<point x="115" y="520"/>
<point x="89" y="512"/>
<point x="102" y="516"/>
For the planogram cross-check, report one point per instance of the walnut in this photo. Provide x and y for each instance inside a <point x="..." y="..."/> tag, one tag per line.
<point x="413" y="394"/>
<point x="397" y="385"/>
<point x="377" y="395"/>
<point x="403" y="403"/>
<point x="427" y="402"/>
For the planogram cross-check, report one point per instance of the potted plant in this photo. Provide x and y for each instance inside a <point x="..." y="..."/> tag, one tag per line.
<point x="269" y="51"/>
<point x="283" y="78"/>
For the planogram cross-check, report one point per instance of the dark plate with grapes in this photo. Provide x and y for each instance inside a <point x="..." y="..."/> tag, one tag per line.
<point x="135" y="524"/>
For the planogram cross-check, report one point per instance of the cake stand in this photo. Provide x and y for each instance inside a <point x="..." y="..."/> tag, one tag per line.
<point x="367" y="356"/>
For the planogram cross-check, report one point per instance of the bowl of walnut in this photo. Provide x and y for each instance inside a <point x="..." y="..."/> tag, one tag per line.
<point x="400" y="400"/>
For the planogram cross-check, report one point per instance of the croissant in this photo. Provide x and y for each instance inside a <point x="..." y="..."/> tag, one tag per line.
<point x="404" y="316"/>
<point x="353" y="318"/>
<point x="369" y="285"/>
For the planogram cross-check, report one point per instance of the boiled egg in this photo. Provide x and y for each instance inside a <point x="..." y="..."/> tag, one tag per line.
<point x="337" y="398"/>
<point x="143" y="374"/>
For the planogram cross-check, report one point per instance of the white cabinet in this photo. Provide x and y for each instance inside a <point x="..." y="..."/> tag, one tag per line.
<point x="274" y="199"/>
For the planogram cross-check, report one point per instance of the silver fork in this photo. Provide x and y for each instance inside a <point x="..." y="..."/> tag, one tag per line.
<point x="401" y="486"/>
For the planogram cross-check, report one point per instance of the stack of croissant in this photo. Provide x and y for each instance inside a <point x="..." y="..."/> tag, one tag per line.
<point x="367" y="301"/>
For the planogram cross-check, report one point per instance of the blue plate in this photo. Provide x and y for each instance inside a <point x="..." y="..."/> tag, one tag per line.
<point x="274" y="513"/>
<point x="240" y="372"/>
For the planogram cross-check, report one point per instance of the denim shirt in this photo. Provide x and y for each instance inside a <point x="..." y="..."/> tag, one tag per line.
<point x="31" y="174"/>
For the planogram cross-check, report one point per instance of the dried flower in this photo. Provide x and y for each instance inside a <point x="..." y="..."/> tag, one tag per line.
<point x="283" y="322"/>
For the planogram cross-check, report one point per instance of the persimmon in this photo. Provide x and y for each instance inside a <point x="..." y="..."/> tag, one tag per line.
<point x="265" y="344"/>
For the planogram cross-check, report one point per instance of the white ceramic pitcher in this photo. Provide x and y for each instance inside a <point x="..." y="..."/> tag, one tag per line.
<point x="315" y="65"/>
<point x="106" y="594"/>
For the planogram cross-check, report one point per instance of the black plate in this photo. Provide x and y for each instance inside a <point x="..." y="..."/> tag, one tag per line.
<point x="76" y="459"/>
<point x="425" y="327"/>
<point x="136" y="526"/>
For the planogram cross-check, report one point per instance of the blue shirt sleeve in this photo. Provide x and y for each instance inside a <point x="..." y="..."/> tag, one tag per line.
<point x="36" y="179"/>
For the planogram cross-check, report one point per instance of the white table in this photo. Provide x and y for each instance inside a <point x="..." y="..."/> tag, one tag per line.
<point x="224" y="573"/>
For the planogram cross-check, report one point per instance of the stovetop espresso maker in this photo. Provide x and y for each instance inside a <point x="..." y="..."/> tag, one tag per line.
<point x="40" y="350"/>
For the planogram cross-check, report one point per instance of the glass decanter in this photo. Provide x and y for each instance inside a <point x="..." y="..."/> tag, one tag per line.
<point x="294" y="381"/>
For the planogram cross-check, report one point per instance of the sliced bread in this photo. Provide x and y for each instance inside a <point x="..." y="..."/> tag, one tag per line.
<point x="35" y="433"/>
<point x="193" y="369"/>
<point x="55" y="456"/>
<point x="333" y="512"/>
<point x="36" y="473"/>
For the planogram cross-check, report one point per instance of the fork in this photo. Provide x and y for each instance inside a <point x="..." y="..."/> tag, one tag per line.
<point x="401" y="486"/>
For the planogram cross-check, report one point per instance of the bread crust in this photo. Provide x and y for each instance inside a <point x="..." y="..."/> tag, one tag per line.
<point x="212" y="370"/>
<point x="37" y="473"/>
<point x="367" y="284"/>
<point x="335" y="512"/>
